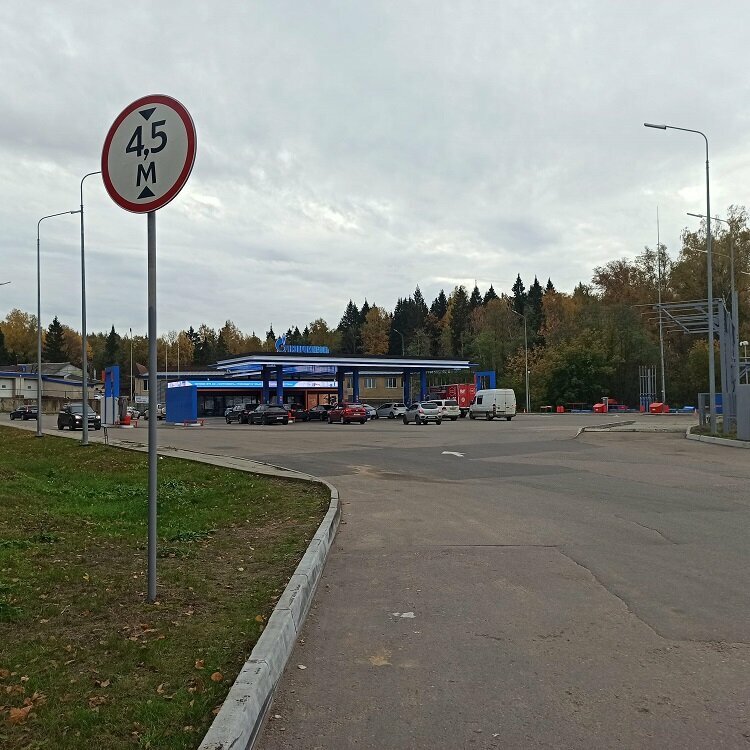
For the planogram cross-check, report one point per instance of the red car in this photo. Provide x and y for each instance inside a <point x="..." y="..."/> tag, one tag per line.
<point x="347" y="413"/>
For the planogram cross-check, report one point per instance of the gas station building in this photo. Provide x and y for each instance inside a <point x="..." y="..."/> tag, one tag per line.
<point x="307" y="376"/>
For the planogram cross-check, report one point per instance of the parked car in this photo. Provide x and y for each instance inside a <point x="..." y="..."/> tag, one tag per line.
<point x="71" y="416"/>
<point x="297" y="412"/>
<point x="319" y="412"/>
<point x="391" y="411"/>
<point x="422" y="412"/>
<point x="161" y="412"/>
<point x="449" y="408"/>
<point x="234" y="414"/>
<point x="371" y="411"/>
<point x="494" y="402"/>
<point x="24" y="413"/>
<point x="134" y="413"/>
<point x="268" y="414"/>
<point x="347" y="413"/>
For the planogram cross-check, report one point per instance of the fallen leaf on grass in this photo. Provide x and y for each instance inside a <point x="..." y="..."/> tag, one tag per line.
<point x="102" y="683"/>
<point x="259" y="618"/>
<point x="217" y="677"/>
<point x="160" y="689"/>
<point x="95" y="701"/>
<point x="19" y="715"/>
<point x="4" y="673"/>
<point x="200" y="663"/>
<point x="301" y="666"/>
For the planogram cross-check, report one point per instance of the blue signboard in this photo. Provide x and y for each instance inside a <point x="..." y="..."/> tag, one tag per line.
<point x="237" y="384"/>
<point x="283" y="348"/>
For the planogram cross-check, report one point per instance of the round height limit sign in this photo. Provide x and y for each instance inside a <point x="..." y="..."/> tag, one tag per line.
<point x="148" y="153"/>
<point x="147" y="157"/>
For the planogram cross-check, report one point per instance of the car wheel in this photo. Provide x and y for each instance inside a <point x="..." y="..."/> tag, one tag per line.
<point x="286" y="421"/>
<point x="227" y="419"/>
<point x="453" y="419"/>
<point x="472" y="415"/>
<point x="440" y="421"/>
<point x="60" y="427"/>
<point x="362" y="421"/>
<point x="391" y="416"/>
<point x="508" y="418"/>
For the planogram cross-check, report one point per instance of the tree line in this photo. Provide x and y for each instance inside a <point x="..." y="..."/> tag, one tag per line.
<point x="582" y="345"/>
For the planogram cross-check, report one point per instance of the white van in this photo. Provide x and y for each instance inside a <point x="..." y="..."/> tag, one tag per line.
<point x="494" y="402"/>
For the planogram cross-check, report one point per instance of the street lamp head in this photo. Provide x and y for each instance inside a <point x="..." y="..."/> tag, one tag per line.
<point x="743" y="343"/>
<point x="652" y="125"/>
<point x="697" y="216"/>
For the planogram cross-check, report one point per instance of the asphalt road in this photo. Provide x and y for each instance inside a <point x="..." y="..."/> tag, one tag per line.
<point x="537" y="591"/>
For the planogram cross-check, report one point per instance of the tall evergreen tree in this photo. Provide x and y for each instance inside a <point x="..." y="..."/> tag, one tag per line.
<point x="550" y="286"/>
<point x="420" y="307"/>
<point x="519" y="296"/>
<point x="54" y="343"/>
<point x="534" y="306"/>
<point x="112" y="348"/>
<point x="460" y="311"/>
<point x="349" y="329"/>
<point x="475" y="300"/>
<point x="439" y="305"/>
<point x="490" y="295"/>
<point x="363" y="313"/>
<point x="5" y="357"/>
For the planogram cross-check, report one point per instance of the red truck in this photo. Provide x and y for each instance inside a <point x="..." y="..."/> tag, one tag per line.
<point x="463" y="393"/>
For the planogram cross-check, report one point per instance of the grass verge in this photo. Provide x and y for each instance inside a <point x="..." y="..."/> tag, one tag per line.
<point x="84" y="660"/>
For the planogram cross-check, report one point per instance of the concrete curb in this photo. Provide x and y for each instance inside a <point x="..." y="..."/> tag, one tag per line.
<point x="717" y="440"/>
<point x="601" y="427"/>
<point x="238" y="723"/>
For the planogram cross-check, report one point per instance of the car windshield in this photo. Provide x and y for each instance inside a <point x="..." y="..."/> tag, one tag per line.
<point x="78" y="409"/>
<point x="429" y="405"/>
<point x="451" y="403"/>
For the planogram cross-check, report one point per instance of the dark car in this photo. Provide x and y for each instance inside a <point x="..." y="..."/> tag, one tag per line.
<point x="24" y="412"/>
<point x="297" y="412"/>
<point x="269" y="414"/>
<point x="347" y="413"/>
<point x="319" y="412"/>
<point x="238" y="413"/>
<point x="71" y="416"/>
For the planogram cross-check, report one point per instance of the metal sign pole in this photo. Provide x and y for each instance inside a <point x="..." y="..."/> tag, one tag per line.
<point x="152" y="400"/>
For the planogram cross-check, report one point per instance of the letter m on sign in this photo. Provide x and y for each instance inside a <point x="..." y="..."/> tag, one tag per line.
<point x="147" y="173"/>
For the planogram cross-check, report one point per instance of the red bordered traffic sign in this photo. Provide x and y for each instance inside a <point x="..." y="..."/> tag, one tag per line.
<point x="148" y="153"/>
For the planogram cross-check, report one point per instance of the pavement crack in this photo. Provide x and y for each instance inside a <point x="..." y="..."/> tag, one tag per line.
<point x="622" y="600"/>
<point x="649" y="528"/>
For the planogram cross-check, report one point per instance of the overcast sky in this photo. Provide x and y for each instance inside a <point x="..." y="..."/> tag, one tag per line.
<point x="357" y="149"/>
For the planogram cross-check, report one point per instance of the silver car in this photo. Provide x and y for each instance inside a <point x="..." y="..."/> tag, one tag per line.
<point x="391" y="411"/>
<point x="422" y="412"/>
<point x="371" y="411"/>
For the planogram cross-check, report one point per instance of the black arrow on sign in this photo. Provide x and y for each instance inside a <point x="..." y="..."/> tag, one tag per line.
<point x="146" y="113"/>
<point x="146" y="193"/>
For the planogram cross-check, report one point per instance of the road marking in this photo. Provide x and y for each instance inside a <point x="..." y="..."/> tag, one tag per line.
<point x="453" y="453"/>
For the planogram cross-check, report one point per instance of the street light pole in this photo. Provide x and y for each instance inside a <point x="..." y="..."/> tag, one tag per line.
<point x="743" y="344"/>
<point x="84" y="352"/>
<point x="402" y="340"/>
<point x="39" y="323"/>
<point x="661" y="325"/>
<point x="131" y="366"/>
<point x="526" y="352"/>
<point x="711" y="363"/>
